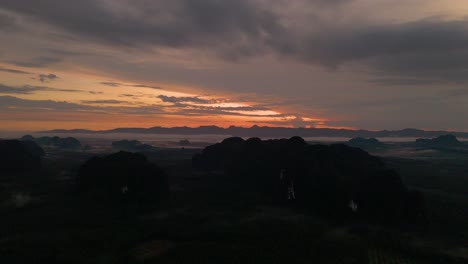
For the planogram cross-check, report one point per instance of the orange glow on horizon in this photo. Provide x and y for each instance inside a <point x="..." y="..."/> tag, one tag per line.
<point x="100" y="105"/>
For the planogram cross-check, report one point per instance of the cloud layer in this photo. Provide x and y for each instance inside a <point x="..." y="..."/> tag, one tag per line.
<point x="234" y="29"/>
<point x="352" y="61"/>
<point x="30" y="89"/>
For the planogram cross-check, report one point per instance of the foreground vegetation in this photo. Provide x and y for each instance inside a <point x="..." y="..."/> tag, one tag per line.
<point x="207" y="220"/>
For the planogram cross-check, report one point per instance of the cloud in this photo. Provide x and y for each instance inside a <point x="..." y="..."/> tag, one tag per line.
<point x="173" y="99"/>
<point x="127" y="95"/>
<point x="133" y="96"/>
<point x="118" y="84"/>
<point x="246" y="28"/>
<point x="220" y="111"/>
<point x="18" y="90"/>
<point x="146" y="86"/>
<point x="13" y="71"/>
<point x="458" y="93"/>
<point x="30" y="89"/>
<point x="14" y="104"/>
<point x="47" y="77"/>
<point x="198" y="106"/>
<point x="103" y="102"/>
<point x="37" y="62"/>
<point x="60" y="52"/>
<point x="111" y="84"/>
<point x="341" y="44"/>
<point x="7" y="22"/>
<point x="181" y="23"/>
<point x="323" y="56"/>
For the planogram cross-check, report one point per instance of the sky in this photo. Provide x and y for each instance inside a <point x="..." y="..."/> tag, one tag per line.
<point x="359" y="64"/>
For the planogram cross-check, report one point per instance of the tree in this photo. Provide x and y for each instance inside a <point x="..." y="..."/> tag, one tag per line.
<point x="17" y="156"/>
<point x="327" y="178"/>
<point x="121" y="178"/>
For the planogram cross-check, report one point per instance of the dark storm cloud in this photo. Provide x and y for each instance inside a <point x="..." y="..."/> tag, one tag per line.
<point x="7" y="22"/>
<point x="237" y="29"/>
<point x="235" y="26"/>
<point x="458" y="93"/>
<point x="342" y="44"/>
<point x="444" y="66"/>
<point x="409" y="52"/>
<point x="13" y="71"/>
<point x="30" y="89"/>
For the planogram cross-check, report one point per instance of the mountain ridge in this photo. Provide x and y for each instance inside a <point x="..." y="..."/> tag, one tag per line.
<point x="257" y="131"/>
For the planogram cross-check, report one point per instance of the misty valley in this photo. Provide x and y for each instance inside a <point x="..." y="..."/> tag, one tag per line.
<point x="125" y="198"/>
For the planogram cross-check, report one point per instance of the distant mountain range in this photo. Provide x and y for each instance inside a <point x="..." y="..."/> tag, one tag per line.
<point x="274" y="132"/>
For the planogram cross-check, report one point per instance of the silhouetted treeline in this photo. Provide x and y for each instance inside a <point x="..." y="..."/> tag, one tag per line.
<point x="184" y="143"/>
<point x="334" y="179"/>
<point x="131" y="145"/>
<point x="16" y="156"/>
<point x="365" y="143"/>
<point x="122" y="178"/>
<point x="57" y="142"/>
<point x="444" y="141"/>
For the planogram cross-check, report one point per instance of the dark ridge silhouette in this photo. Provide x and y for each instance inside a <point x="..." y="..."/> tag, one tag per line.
<point x="17" y="156"/>
<point x="334" y="179"/>
<point x="55" y="142"/>
<point x="131" y="145"/>
<point x="122" y="178"/>
<point x="365" y="143"/>
<point x="184" y="143"/>
<point x="271" y="132"/>
<point x="445" y="141"/>
<point x="33" y="148"/>
<point x="28" y="137"/>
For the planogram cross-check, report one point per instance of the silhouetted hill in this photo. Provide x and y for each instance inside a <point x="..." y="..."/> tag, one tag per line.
<point x="184" y="143"/>
<point x="18" y="156"/>
<point x="57" y="142"/>
<point x="445" y="141"/>
<point x="328" y="178"/>
<point x="275" y="132"/>
<point x="33" y="148"/>
<point x="122" y="178"/>
<point x="131" y="145"/>
<point x="365" y="143"/>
